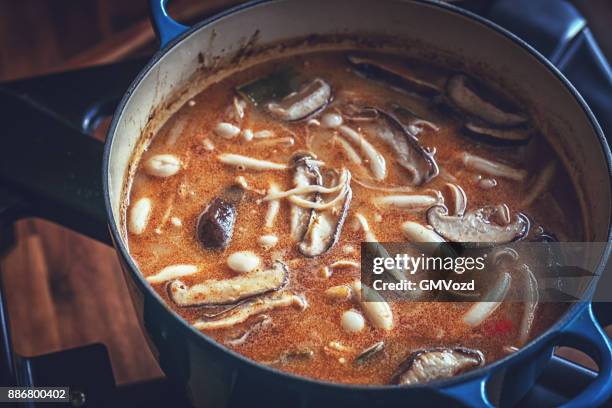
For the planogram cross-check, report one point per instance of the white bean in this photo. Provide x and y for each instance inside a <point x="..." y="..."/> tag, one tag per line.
<point x="227" y="130"/>
<point x="352" y="321"/>
<point x="268" y="241"/>
<point x="243" y="261"/>
<point x="263" y="134"/>
<point x="331" y="120"/>
<point x="348" y="249"/>
<point x="247" y="135"/>
<point x="139" y="216"/>
<point x="162" y="165"/>
<point x="336" y="345"/>
<point x="487" y="183"/>
<point x="208" y="145"/>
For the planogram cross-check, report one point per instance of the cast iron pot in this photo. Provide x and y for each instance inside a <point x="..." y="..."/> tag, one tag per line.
<point x="208" y="371"/>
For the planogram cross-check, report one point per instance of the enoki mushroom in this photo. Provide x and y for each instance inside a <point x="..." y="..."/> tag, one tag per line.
<point x="293" y="195"/>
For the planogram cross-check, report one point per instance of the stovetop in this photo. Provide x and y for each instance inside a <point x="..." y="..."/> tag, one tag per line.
<point x="82" y="99"/>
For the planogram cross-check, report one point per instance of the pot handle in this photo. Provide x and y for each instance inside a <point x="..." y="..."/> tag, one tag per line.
<point x="50" y="168"/>
<point x="585" y="334"/>
<point x="471" y="393"/>
<point x="165" y="27"/>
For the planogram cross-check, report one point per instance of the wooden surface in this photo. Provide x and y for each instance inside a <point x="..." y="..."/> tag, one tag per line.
<point x="64" y="290"/>
<point x="42" y="36"/>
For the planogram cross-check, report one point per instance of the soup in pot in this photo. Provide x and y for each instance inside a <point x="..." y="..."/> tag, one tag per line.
<point x="247" y="210"/>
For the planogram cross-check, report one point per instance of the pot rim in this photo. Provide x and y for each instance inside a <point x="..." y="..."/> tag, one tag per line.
<point x="479" y="373"/>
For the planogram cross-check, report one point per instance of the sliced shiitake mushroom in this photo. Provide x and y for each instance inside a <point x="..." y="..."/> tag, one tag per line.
<point x="456" y="199"/>
<point x="370" y="352"/>
<point x="261" y="323"/>
<point x="357" y="113"/>
<point x="285" y="96"/>
<point x="433" y="364"/>
<point x="414" y="122"/>
<point x="306" y="172"/>
<point x="215" y="226"/>
<point x="411" y="76"/>
<point x="215" y="292"/>
<point x="477" y="226"/>
<point x="307" y="101"/>
<point x="464" y="93"/>
<point x="418" y="160"/>
<point x="325" y="226"/>
<point x="242" y="313"/>
<point x="410" y="154"/>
